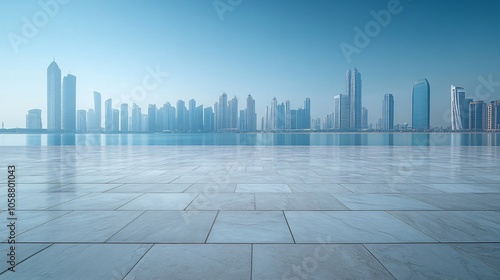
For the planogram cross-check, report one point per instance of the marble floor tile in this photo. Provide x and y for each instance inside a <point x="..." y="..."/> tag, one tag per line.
<point x="350" y="227"/>
<point x="382" y="202"/>
<point x="27" y="220"/>
<point x="23" y="252"/>
<point x="297" y="201"/>
<point x="319" y="261"/>
<point x="489" y="253"/>
<point x="193" y="261"/>
<point x="81" y="261"/>
<point x="250" y="227"/>
<point x="254" y="188"/>
<point x="86" y="188"/>
<point x="454" y="226"/>
<point x="160" y="201"/>
<point x="389" y="188"/>
<point x="461" y="201"/>
<point x="150" y="188"/>
<point x="318" y="188"/>
<point x="430" y="261"/>
<point x="223" y="201"/>
<point x="42" y="201"/>
<point x="167" y="227"/>
<point x="80" y="226"/>
<point x="465" y="188"/>
<point x="97" y="201"/>
<point x="208" y="188"/>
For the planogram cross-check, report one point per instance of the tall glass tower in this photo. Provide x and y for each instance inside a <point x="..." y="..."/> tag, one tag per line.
<point x="53" y="97"/>
<point x="388" y="112"/>
<point x="353" y="90"/>
<point x="69" y="103"/>
<point x="420" y="105"/>
<point x="97" y="110"/>
<point x="457" y="108"/>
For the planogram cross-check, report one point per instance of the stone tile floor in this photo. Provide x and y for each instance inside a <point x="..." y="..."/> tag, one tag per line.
<point x="246" y="212"/>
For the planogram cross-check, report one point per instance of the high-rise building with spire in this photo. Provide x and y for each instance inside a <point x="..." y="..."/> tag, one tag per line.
<point x="53" y="97"/>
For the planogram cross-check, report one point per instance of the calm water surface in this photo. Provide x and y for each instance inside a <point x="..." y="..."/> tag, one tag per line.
<point x="255" y="139"/>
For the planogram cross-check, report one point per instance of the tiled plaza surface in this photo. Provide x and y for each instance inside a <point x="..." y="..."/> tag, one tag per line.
<point x="247" y="212"/>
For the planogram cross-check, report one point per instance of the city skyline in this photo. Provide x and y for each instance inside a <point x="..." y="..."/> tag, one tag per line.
<point x="263" y="48"/>
<point x="277" y="117"/>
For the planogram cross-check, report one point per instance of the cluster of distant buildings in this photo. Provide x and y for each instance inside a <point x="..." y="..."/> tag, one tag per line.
<point x="470" y="115"/>
<point x="225" y="116"/>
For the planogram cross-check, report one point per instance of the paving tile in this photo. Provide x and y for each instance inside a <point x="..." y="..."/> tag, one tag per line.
<point x="192" y="261"/>
<point x="223" y="201"/>
<point x="318" y="188"/>
<point x="297" y="201"/>
<point x="80" y="226"/>
<point x="382" y="202"/>
<point x="22" y="252"/>
<point x="455" y="226"/>
<point x="168" y="227"/>
<point x="208" y="188"/>
<point x="160" y="201"/>
<point x="461" y="201"/>
<point x="430" y="261"/>
<point x="27" y="220"/>
<point x="81" y="261"/>
<point x="262" y="188"/>
<point x="97" y="201"/>
<point x="150" y="188"/>
<point x="320" y="261"/>
<point x="350" y="227"/>
<point x="488" y="253"/>
<point x="250" y="227"/>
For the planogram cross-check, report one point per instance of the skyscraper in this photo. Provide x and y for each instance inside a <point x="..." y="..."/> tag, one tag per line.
<point x="116" y="120"/>
<point x="34" y="119"/>
<point x="181" y="116"/>
<point x="108" y="116"/>
<point x="221" y="113"/>
<point x="388" y="112"/>
<point x="307" y="113"/>
<point x="353" y="90"/>
<point x="232" y="106"/>
<point x="136" y="118"/>
<point x="288" y="115"/>
<point x="494" y="115"/>
<point x="53" y="97"/>
<point x="466" y="115"/>
<point x="198" y="118"/>
<point x="152" y="111"/>
<point x="81" y="121"/>
<point x="364" y="118"/>
<point x="477" y="116"/>
<point x="341" y="113"/>
<point x="420" y="105"/>
<point x="192" y="109"/>
<point x="208" y="120"/>
<point x="97" y="110"/>
<point x="457" y="107"/>
<point x="90" y="119"/>
<point x="251" y="116"/>
<point x="69" y="103"/>
<point x="124" y="117"/>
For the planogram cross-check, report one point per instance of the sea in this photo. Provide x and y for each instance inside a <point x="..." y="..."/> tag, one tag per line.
<point x="254" y="139"/>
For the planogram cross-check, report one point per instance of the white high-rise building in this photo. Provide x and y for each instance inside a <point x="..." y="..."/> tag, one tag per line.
<point x="457" y="107"/>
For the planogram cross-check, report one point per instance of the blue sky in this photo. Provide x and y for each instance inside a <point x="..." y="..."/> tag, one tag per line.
<point x="283" y="49"/>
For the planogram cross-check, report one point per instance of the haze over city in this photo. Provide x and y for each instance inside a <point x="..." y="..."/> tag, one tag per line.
<point x="284" y="49"/>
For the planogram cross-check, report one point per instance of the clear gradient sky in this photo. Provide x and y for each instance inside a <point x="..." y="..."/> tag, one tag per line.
<point x="288" y="49"/>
